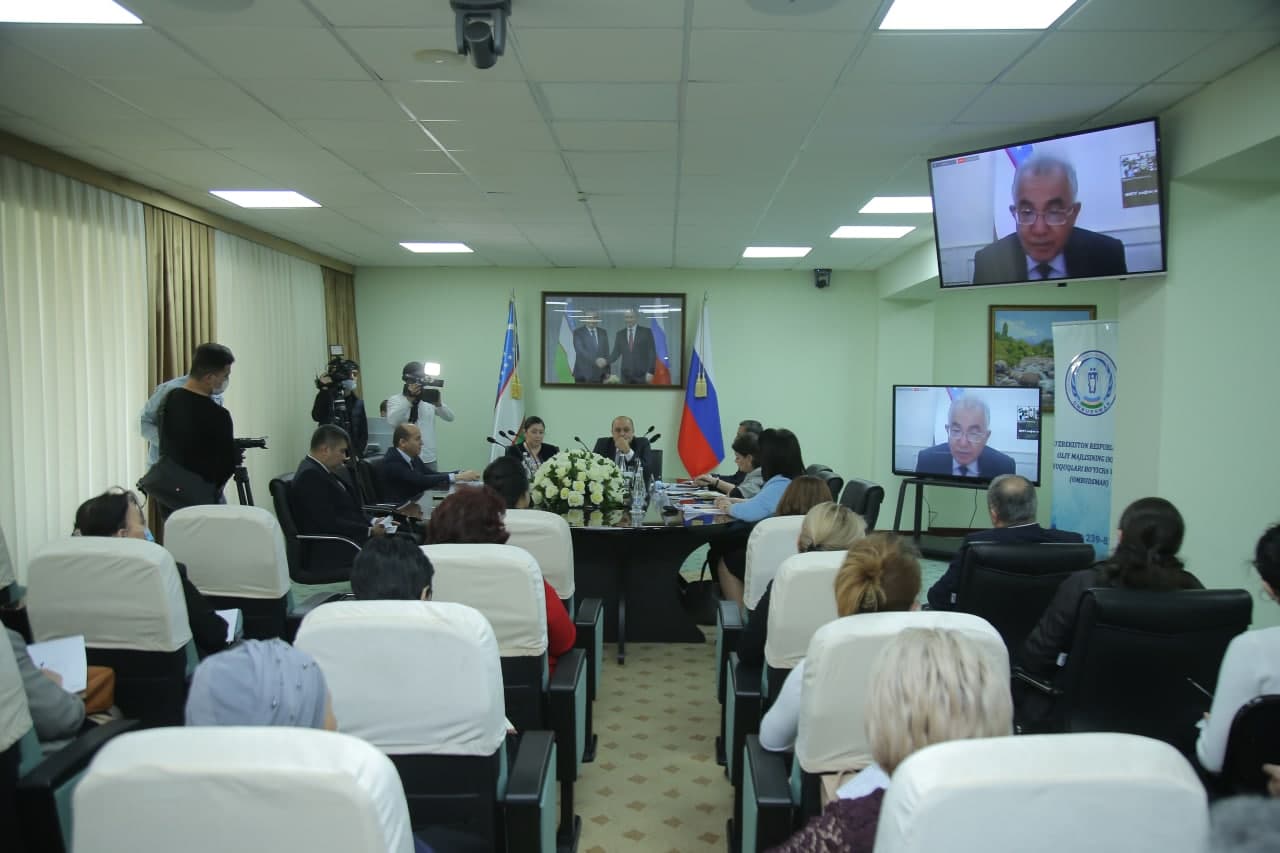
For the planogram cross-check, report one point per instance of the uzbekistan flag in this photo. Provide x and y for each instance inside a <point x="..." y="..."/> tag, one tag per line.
<point x="701" y="446"/>
<point x="566" y="356"/>
<point x="508" y="404"/>
<point x="661" y="364"/>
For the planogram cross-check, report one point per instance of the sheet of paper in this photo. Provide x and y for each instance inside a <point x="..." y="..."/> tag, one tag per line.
<point x="65" y="656"/>
<point x="232" y="617"/>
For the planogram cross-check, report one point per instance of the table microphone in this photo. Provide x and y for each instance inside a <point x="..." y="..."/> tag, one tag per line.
<point x="583" y="443"/>
<point x="653" y="438"/>
<point x="493" y="440"/>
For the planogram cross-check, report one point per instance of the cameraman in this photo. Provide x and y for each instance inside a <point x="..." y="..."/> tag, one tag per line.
<point x="194" y="430"/>
<point x="419" y="404"/>
<point x="336" y="403"/>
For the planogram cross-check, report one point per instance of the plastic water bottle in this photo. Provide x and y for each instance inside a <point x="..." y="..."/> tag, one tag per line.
<point x="637" y="490"/>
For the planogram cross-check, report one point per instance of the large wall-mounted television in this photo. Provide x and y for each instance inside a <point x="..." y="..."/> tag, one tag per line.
<point x="1083" y="205"/>
<point x="966" y="433"/>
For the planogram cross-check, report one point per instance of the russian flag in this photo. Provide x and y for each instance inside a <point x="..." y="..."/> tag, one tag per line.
<point x="662" y="363"/>
<point x="700" y="445"/>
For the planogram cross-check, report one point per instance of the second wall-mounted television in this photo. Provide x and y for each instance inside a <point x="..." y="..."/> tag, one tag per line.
<point x="1083" y="205"/>
<point x="966" y="433"/>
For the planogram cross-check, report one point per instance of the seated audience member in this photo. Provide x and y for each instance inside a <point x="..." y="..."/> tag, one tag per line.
<point x="1145" y="557"/>
<point x="965" y="452"/>
<point x="391" y="569"/>
<point x="829" y="526"/>
<point x="117" y="512"/>
<point x="1251" y="666"/>
<point x="57" y="714"/>
<point x="780" y="463"/>
<point x="927" y="686"/>
<point x="747" y="481"/>
<point x="403" y="475"/>
<point x="1244" y="824"/>
<point x="322" y="502"/>
<point x="881" y="574"/>
<point x="260" y="683"/>
<point x="529" y="448"/>
<point x="623" y="445"/>
<point x="475" y="516"/>
<point x="1011" y="503"/>
<point x="510" y="480"/>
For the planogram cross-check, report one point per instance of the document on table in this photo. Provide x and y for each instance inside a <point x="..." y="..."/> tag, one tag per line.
<point x="233" y="618"/>
<point x="65" y="656"/>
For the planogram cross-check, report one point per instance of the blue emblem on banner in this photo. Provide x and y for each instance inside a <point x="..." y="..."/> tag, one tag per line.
<point x="1091" y="383"/>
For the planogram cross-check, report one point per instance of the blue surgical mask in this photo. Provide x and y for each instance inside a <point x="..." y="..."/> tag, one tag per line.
<point x="150" y="536"/>
<point x="348" y="385"/>
<point x="222" y="389"/>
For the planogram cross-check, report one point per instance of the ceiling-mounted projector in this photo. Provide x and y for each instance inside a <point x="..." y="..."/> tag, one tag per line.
<point x="481" y="27"/>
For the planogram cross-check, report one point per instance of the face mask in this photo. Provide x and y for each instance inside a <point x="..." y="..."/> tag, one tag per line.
<point x="149" y="535"/>
<point x="348" y="385"/>
<point x="222" y="389"/>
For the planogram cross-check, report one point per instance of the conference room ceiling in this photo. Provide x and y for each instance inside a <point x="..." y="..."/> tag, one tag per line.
<point x="625" y="133"/>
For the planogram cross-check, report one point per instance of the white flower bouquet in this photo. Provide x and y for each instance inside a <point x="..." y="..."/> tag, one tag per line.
<point x="573" y="479"/>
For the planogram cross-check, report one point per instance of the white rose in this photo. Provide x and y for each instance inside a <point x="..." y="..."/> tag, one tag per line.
<point x="579" y="488"/>
<point x="564" y="493"/>
<point x="575" y="499"/>
<point x="551" y="492"/>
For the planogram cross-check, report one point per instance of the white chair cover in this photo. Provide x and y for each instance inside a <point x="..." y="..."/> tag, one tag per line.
<point x="802" y="601"/>
<point x="771" y="541"/>
<point x="1101" y="792"/>
<point x="15" y="717"/>
<point x="832" y="736"/>
<point x="504" y="583"/>
<point x="244" y="789"/>
<point x="437" y="684"/>
<point x="230" y="550"/>
<point x="546" y="536"/>
<point x="119" y="593"/>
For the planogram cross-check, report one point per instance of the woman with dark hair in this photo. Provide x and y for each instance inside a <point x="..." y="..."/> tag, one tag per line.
<point x="391" y="568"/>
<point x="1146" y="557"/>
<point x="474" y="516"/>
<point x="529" y="448"/>
<point x="117" y="512"/>
<point x="748" y="480"/>
<point x="510" y="480"/>
<point x="1251" y="666"/>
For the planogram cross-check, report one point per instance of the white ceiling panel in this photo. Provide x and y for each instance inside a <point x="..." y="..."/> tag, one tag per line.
<point x="195" y="13"/>
<point x="422" y="160"/>
<point x="508" y="101"/>
<point x="960" y="138"/>
<point x="1219" y="15"/>
<point x="492" y="133"/>
<point x="256" y="53"/>
<point x="601" y="56"/>
<point x="385" y="13"/>
<point x="521" y="189"/>
<point x="618" y="182"/>
<point x="1228" y="53"/>
<point x="1146" y="102"/>
<point x="849" y="15"/>
<point x="136" y="136"/>
<point x="653" y="209"/>
<point x="897" y="57"/>
<point x="427" y="187"/>
<point x="164" y="98"/>
<point x="768" y="56"/>
<point x="107" y="51"/>
<point x="338" y="134"/>
<point x="1075" y="57"/>
<point x="614" y="14"/>
<point x="708" y="160"/>
<point x="208" y="169"/>
<point x="536" y="164"/>
<point x="399" y="55"/>
<point x="264" y="134"/>
<point x="782" y="102"/>
<point x="901" y="103"/>
<point x="1043" y="103"/>
<point x="611" y="101"/>
<point x="616" y="135"/>
<point x="589" y="164"/>
<point x="326" y="99"/>
<point x="306" y="161"/>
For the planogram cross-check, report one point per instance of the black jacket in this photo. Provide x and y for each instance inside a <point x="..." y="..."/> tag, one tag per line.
<point x="323" y="503"/>
<point x="399" y="481"/>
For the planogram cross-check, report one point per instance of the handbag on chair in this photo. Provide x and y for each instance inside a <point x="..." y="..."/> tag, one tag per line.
<point x="175" y="487"/>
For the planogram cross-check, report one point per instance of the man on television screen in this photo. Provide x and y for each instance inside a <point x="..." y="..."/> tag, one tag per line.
<point x="965" y="452"/>
<point x="1047" y="243"/>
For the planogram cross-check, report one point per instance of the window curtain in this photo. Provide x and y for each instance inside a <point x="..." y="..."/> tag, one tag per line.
<point x="180" y="292"/>
<point x="73" y="314"/>
<point x="271" y="314"/>
<point x="340" y="315"/>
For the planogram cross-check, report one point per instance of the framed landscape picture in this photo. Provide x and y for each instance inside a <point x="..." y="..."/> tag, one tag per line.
<point x="1020" y="344"/>
<point x="623" y="340"/>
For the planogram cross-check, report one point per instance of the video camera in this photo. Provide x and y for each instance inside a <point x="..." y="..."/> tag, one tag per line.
<point x="338" y="370"/>
<point x="247" y="443"/>
<point x="414" y="374"/>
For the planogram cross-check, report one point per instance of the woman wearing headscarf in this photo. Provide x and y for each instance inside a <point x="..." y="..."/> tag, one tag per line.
<point x="260" y="683"/>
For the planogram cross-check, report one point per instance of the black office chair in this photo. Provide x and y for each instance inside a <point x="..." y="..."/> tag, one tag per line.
<point x="1011" y="583"/>
<point x="1132" y="656"/>
<point x="833" y="480"/>
<point x="313" y="558"/>
<point x="1254" y="740"/>
<point x="863" y="497"/>
<point x="655" y="463"/>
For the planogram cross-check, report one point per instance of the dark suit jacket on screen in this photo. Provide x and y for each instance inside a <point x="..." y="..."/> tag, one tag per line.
<point x="639" y="444"/>
<point x="586" y="352"/>
<point x="323" y="504"/>
<point x="637" y="359"/>
<point x="1087" y="253"/>
<point x="949" y="584"/>
<point x="398" y="480"/>
<point x="937" y="460"/>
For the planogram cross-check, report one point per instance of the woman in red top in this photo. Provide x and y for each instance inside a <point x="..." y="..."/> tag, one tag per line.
<point x="474" y="516"/>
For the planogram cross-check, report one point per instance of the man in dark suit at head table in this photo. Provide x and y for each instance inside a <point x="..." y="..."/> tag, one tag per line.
<point x="624" y="446"/>
<point x="1011" y="501"/>
<point x="1047" y="244"/>
<point x="965" y="452"/>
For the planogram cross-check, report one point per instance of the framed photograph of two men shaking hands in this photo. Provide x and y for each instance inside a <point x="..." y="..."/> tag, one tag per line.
<point x="626" y="340"/>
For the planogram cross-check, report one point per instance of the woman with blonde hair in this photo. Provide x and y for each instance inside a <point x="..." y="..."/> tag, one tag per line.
<point x="928" y="686"/>
<point x="880" y="574"/>
<point x="829" y="526"/>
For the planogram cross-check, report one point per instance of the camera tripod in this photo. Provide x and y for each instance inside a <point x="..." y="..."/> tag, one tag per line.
<point x="243" y="490"/>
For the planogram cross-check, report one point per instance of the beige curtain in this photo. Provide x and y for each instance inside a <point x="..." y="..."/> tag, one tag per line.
<point x="180" y="301"/>
<point x="340" y="314"/>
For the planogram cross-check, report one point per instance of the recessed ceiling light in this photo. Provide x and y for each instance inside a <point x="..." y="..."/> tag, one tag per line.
<point x="438" y="248"/>
<point x="871" y="232"/>
<point x="65" y="12"/>
<point x="974" y="14"/>
<point x="899" y="204"/>
<point x="776" y="251"/>
<point x="265" y="198"/>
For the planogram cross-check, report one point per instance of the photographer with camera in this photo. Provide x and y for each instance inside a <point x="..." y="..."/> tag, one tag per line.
<point x="336" y="403"/>
<point x="420" y="403"/>
<point x="195" y="432"/>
